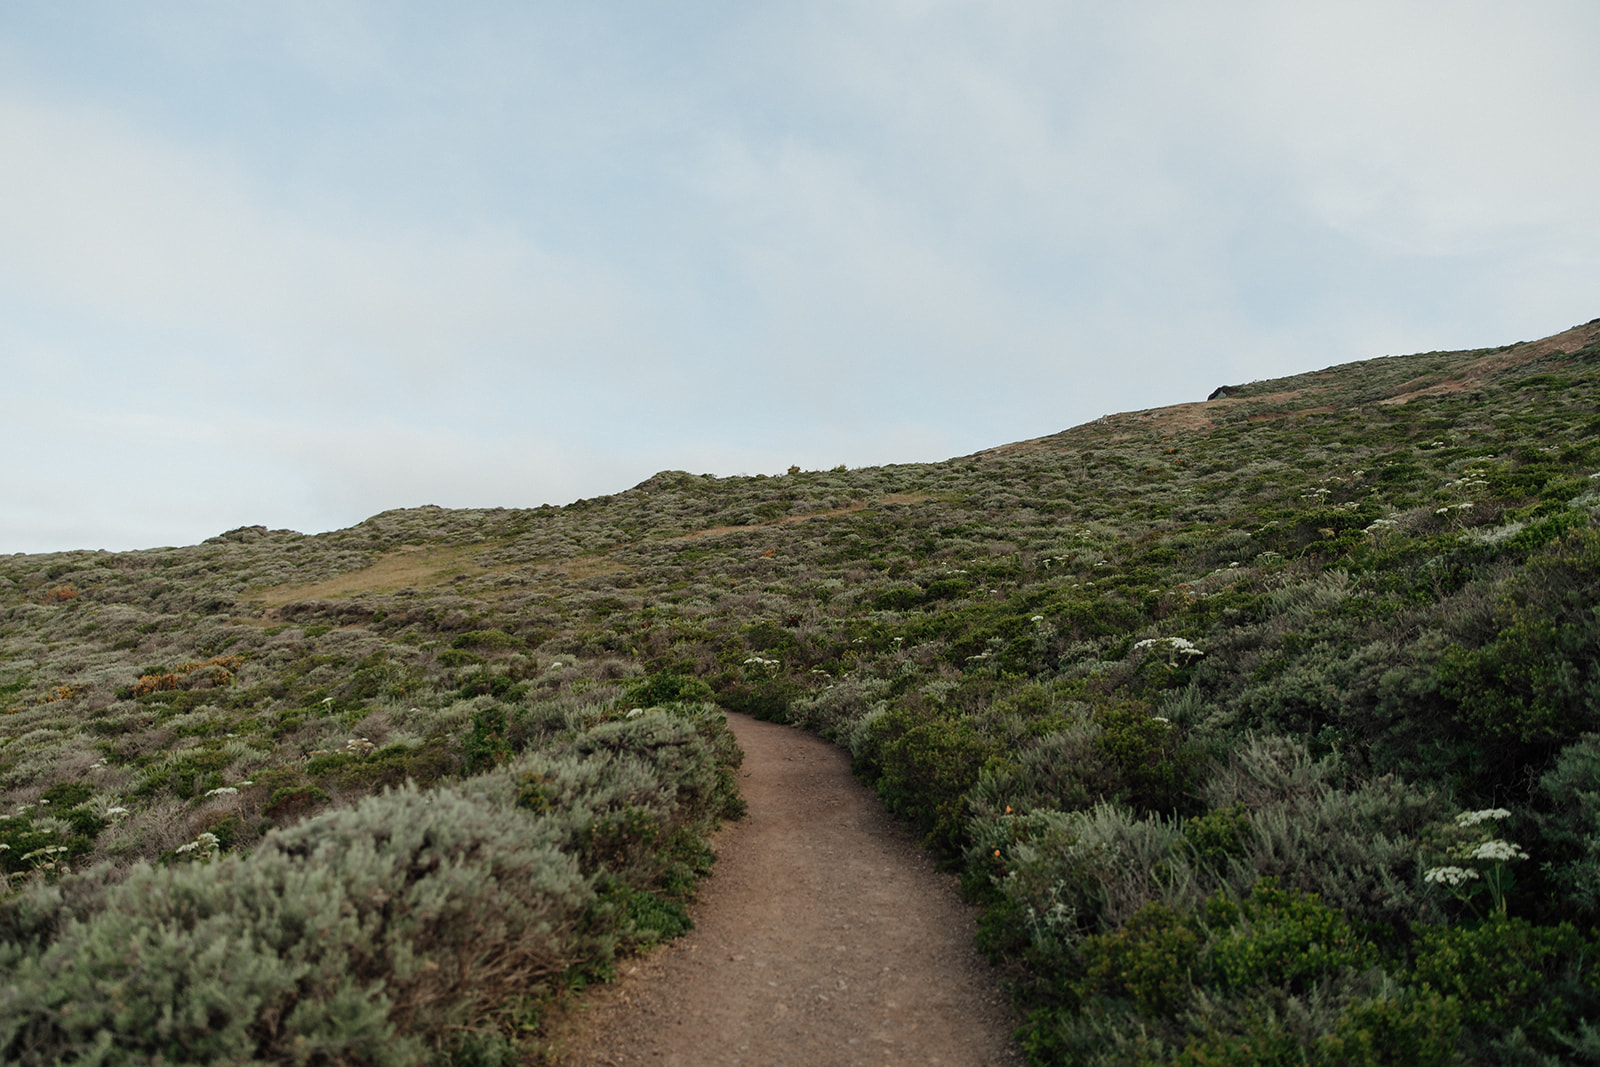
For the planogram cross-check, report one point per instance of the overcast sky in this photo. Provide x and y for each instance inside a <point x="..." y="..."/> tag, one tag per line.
<point x="297" y="263"/>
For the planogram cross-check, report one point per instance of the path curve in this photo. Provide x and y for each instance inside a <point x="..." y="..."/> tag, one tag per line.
<point x="824" y="937"/>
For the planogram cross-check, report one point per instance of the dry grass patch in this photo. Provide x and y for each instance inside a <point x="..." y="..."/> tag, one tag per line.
<point x="410" y="567"/>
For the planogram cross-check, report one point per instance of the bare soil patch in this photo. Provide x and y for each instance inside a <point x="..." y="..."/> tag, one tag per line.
<point x="824" y="937"/>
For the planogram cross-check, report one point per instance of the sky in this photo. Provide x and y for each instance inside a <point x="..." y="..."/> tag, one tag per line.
<point x="298" y="263"/>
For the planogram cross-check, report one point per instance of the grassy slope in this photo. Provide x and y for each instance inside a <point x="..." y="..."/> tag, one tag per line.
<point x="1385" y="574"/>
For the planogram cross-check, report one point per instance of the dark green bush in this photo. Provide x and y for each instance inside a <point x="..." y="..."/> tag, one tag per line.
<point x="667" y="687"/>
<point x="1279" y="938"/>
<point x="1511" y="977"/>
<point x="1220" y="835"/>
<point x="922" y="764"/>
<point x="491" y="640"/>
<point x="1151" y="959"/>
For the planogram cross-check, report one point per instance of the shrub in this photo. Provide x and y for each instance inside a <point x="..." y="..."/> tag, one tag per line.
<point x="368" y="934"/>
<point x="1511" y="976"/>
<point x="1570" y="824"/>
<point x="378" y="933"/>
<point x="1280" y="938"/>
<point x="922" y="765"/>
<point x="666" y="687"/>
<point x="1151" y="959"/>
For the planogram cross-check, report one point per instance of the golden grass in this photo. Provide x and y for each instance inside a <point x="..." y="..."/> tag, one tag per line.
<point x="410" y="567"/>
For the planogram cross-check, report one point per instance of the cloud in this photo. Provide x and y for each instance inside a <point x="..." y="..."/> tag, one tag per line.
<point x="369" y="255"/>
<point x="107" y="224"/>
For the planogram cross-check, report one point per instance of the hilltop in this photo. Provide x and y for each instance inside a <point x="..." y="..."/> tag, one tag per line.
<point x="1193" y="697"/>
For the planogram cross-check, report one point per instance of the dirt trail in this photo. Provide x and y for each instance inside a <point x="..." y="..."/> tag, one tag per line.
<point x="824" y="937"/>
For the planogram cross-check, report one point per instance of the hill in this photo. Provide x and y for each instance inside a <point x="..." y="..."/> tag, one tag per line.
<point x="1267" y="729"/>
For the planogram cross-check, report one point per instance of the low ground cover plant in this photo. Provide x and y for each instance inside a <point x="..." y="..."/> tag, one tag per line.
<point x="1202" y="703"/>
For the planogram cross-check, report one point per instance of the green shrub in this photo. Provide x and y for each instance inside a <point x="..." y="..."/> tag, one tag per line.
<point x="378" y="933"/>
<point x="1154" y="770"/>
<point x="1509" y="975"/>
<point x="486" y="745"/>
<point x="1219" y="836"/>
<point x="1280" y="938"/>
<point x="1395" y="1032"/>
<point x="367" y="934"/>
<point x="666" y="687"/>
<point x="492" y="640"/>
<point x="922" y="765"/>
<point x="1151" y="959"/>
<point x="289" y="801"/>
<point x="1570" y="824"/>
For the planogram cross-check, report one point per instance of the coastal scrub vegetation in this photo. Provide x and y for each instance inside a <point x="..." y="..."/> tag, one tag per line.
<point x="1265" y="730"/>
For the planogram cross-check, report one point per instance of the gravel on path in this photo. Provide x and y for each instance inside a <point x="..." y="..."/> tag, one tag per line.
<point x="825" y="936"/>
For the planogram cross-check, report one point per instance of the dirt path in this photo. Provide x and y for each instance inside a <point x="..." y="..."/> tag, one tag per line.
<point x="824" y="937"/>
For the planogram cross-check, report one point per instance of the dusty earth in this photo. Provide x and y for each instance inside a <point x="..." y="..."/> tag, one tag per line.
<point x="824" y="937"/>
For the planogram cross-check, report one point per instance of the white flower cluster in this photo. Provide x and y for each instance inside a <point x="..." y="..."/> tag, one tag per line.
<point x="1451" y="876"/>
<point x="113" y="812"/>
<point x="1499" y="851"/>
<point x="359" y="746"/>
<point x="1181" y="645"/>
<point x="206" y="845"/>
<point x="1473" y="818"/>
<point x="46" y="852"/>
<point x="760" y="661"/>
<point x="1380" y="526"/>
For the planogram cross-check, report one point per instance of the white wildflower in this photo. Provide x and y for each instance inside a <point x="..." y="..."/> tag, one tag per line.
<point x="1498" y="851"/>
<point x="1451" y="876"/>
<point x="1473" y="818"/>
<point x="206" y="844"/>
<point x="114" y="812"/>
<point x="47" y="851"/>
<point x="1181" y="645"/>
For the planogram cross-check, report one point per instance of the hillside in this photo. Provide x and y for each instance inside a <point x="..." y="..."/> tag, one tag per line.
<point x="1267" y="729"/>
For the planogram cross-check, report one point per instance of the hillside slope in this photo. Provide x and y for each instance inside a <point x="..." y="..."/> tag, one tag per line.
<point x="1193" y="696"/>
